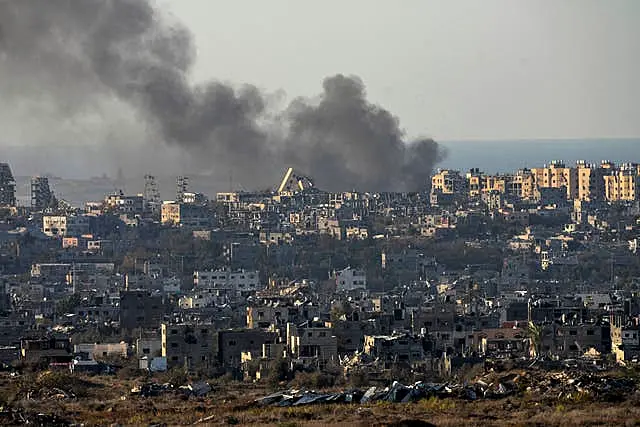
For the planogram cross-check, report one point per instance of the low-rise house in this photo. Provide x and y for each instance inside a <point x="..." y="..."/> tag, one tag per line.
<point x="98" y="351"/>
<point x="350" y="279"/>
<point x="312" y="344"/>
<point x="231" y="345"/>
<point x="141" y="309"/>
<point x="44" y="351"/>
<point x="502" y="342"/>
<point x="149" y="347"/>
<point x="189" y="345"/>
<point x="394" y="348"/>
<point x="575" y="340"/>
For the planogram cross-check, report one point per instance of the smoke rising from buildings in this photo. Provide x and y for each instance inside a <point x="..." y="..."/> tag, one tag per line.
<point x="86" y="57"/>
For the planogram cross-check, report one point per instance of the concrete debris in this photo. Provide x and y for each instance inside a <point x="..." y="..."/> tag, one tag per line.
<point x="197" y="389"/>
<point x="50" y="393"/>
<point x="14" y="416"/>
<point x="152" y="389"/>
<point x="564" y="384"/>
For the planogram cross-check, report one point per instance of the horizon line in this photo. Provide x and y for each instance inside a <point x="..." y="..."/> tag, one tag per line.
<point x="542" y="139"/>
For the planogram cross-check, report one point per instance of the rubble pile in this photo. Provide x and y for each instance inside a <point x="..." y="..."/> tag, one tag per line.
<point x="567" y="384"/>
<point x="397" y="392"/>
<point x="197" y="389"/>
<point x="13" y="416"/>
<point x="50" y="393"/>
<point x="556" y="385"/>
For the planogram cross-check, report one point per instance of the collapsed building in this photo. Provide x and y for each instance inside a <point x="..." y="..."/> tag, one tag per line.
<point x="7" y="186"/>
<point x="41" y="194"/>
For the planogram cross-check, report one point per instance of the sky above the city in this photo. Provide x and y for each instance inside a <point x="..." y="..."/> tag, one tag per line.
<point x="450" y="70"/>
<point x="463" y="69"/>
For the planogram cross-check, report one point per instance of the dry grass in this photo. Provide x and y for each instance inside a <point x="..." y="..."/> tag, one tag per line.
<point x="108" y="401"/>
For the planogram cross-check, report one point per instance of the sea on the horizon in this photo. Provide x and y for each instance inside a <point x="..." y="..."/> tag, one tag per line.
<point x="488" y="156"/>
<point x="507" y="156"/>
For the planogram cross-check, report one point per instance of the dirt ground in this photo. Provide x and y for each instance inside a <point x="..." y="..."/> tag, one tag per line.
<point x="108" y="401"/>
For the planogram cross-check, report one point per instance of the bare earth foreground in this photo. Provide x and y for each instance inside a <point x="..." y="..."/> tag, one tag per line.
<point x="60" y="399"/>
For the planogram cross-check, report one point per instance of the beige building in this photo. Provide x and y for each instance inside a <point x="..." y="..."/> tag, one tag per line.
<point x="521" y="184"/>
<point x="97" y="351"/>
<point x="590" y="181"/>
<point x="170" y="214"/>
<point x="495" y="183"/>
<point x="64" y="225"/>
<point x="447" y="182"/>
<point x="312" y="344"/>
<point x="184" y="214"/>
<point x="622" y="184"/>
<point x="557" y="175"/>
<point x="475" y="182"/>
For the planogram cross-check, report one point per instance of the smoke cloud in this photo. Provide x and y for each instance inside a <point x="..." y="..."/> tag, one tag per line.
<point x="91" y="55"/>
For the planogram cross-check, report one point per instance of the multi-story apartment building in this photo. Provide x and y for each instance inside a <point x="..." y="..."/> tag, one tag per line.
<point x="590" y="182"/>
<point x="65" y="225"/>
<point x="233" y="281"/>
<point x="140" y="309"/>
<point x="184" y="214"/>
<point x="394" y="348"/>
<point x="350" y="279"/>
<point x="475" y="182"/>
<point x="41" y="196"/>
<point x="312" y="344"/>
<point x="231" y="345"/>
<point x="189" y="345"/>
<point x="557" y="175"/>
<point x="7" y="186"/>
<point x="622" y="184"/>
<point x="124" y="204"/>
<point x="448" y="182"/>
<point x="521" y="184"/>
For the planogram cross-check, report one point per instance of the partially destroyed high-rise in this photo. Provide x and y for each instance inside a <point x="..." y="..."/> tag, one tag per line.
<point x="41" y="195"/>
<point x="7" y="186"/>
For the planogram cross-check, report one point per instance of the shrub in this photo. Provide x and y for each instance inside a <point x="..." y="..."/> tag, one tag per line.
<point x="63" y="381"/>
<point x="314" y="380"/>
<point x="358" y="379"/>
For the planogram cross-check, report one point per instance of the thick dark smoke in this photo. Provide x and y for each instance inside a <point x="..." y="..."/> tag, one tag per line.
<point x="77" y="53"/>
<point x="344" y="139"/>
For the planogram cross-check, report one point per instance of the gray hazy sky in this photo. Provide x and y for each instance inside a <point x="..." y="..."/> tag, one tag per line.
<point x="450" y="69"/>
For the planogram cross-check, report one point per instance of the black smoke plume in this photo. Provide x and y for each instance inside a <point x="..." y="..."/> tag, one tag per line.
<point x="76" y="53"/>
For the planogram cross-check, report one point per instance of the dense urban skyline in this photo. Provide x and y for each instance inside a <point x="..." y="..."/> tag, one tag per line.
<point x="284" y="212"/>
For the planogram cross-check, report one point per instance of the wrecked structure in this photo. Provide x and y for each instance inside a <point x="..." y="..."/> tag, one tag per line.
<point x="7" y="187"/>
